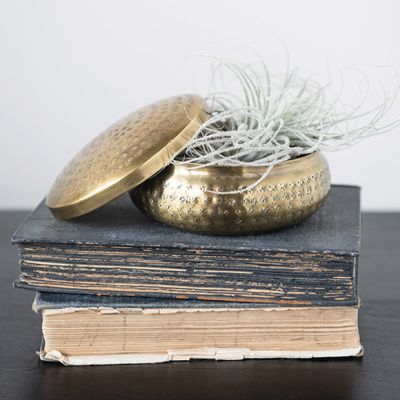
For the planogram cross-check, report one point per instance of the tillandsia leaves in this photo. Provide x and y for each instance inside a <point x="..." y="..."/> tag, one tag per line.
<point x="274" y="119"/>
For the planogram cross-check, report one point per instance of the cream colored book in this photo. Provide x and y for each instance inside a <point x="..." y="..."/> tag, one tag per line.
<point x="89" y="330"/>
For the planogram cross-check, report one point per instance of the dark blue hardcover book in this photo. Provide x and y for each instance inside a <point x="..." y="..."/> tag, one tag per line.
<point x="51" y="301"/>
<point x="116" y="250"/>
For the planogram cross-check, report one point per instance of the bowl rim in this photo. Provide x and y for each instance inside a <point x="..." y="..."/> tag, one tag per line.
<point x="311" y="160"/>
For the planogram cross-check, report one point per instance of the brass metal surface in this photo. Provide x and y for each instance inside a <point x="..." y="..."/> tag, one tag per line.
<point x="181" y="197"/>
<point x="124" y="155"/>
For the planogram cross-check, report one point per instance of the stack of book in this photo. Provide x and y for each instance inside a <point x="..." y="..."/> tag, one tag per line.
<point x="116" y="287"/>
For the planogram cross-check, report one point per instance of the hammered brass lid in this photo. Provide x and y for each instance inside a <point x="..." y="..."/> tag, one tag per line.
<point x="124" y="155"/>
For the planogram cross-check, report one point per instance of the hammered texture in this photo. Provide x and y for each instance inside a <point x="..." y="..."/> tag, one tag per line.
<point x="120" y="151"/>
<point x="182" y="197"/>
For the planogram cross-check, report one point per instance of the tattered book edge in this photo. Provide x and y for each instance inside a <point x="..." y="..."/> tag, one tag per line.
<point x="217" y="354"/>
<point x="147" y="311"/>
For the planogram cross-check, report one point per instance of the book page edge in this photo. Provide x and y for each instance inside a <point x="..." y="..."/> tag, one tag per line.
<point x="217" y="354"/>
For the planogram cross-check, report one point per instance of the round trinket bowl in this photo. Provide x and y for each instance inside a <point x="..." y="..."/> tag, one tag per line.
<point x="190" y="198"/>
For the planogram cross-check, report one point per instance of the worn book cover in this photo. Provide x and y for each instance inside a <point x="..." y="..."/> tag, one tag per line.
<point x="116" y="250"/>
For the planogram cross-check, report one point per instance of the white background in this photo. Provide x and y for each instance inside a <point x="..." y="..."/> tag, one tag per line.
<point x="70" y="68"/>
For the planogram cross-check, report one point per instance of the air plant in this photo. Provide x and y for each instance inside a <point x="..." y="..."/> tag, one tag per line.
<point x="274" y="119"/>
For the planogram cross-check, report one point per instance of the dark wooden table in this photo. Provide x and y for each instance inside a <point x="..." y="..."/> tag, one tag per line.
<point x="376" y="376"/>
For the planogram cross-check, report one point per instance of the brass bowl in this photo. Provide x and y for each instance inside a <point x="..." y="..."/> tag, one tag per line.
<point x="180" y="196"/>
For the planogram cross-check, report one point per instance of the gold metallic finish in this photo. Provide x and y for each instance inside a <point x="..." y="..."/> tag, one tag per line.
<point x="181" y="197"/>
<point x="126" y="154"/>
